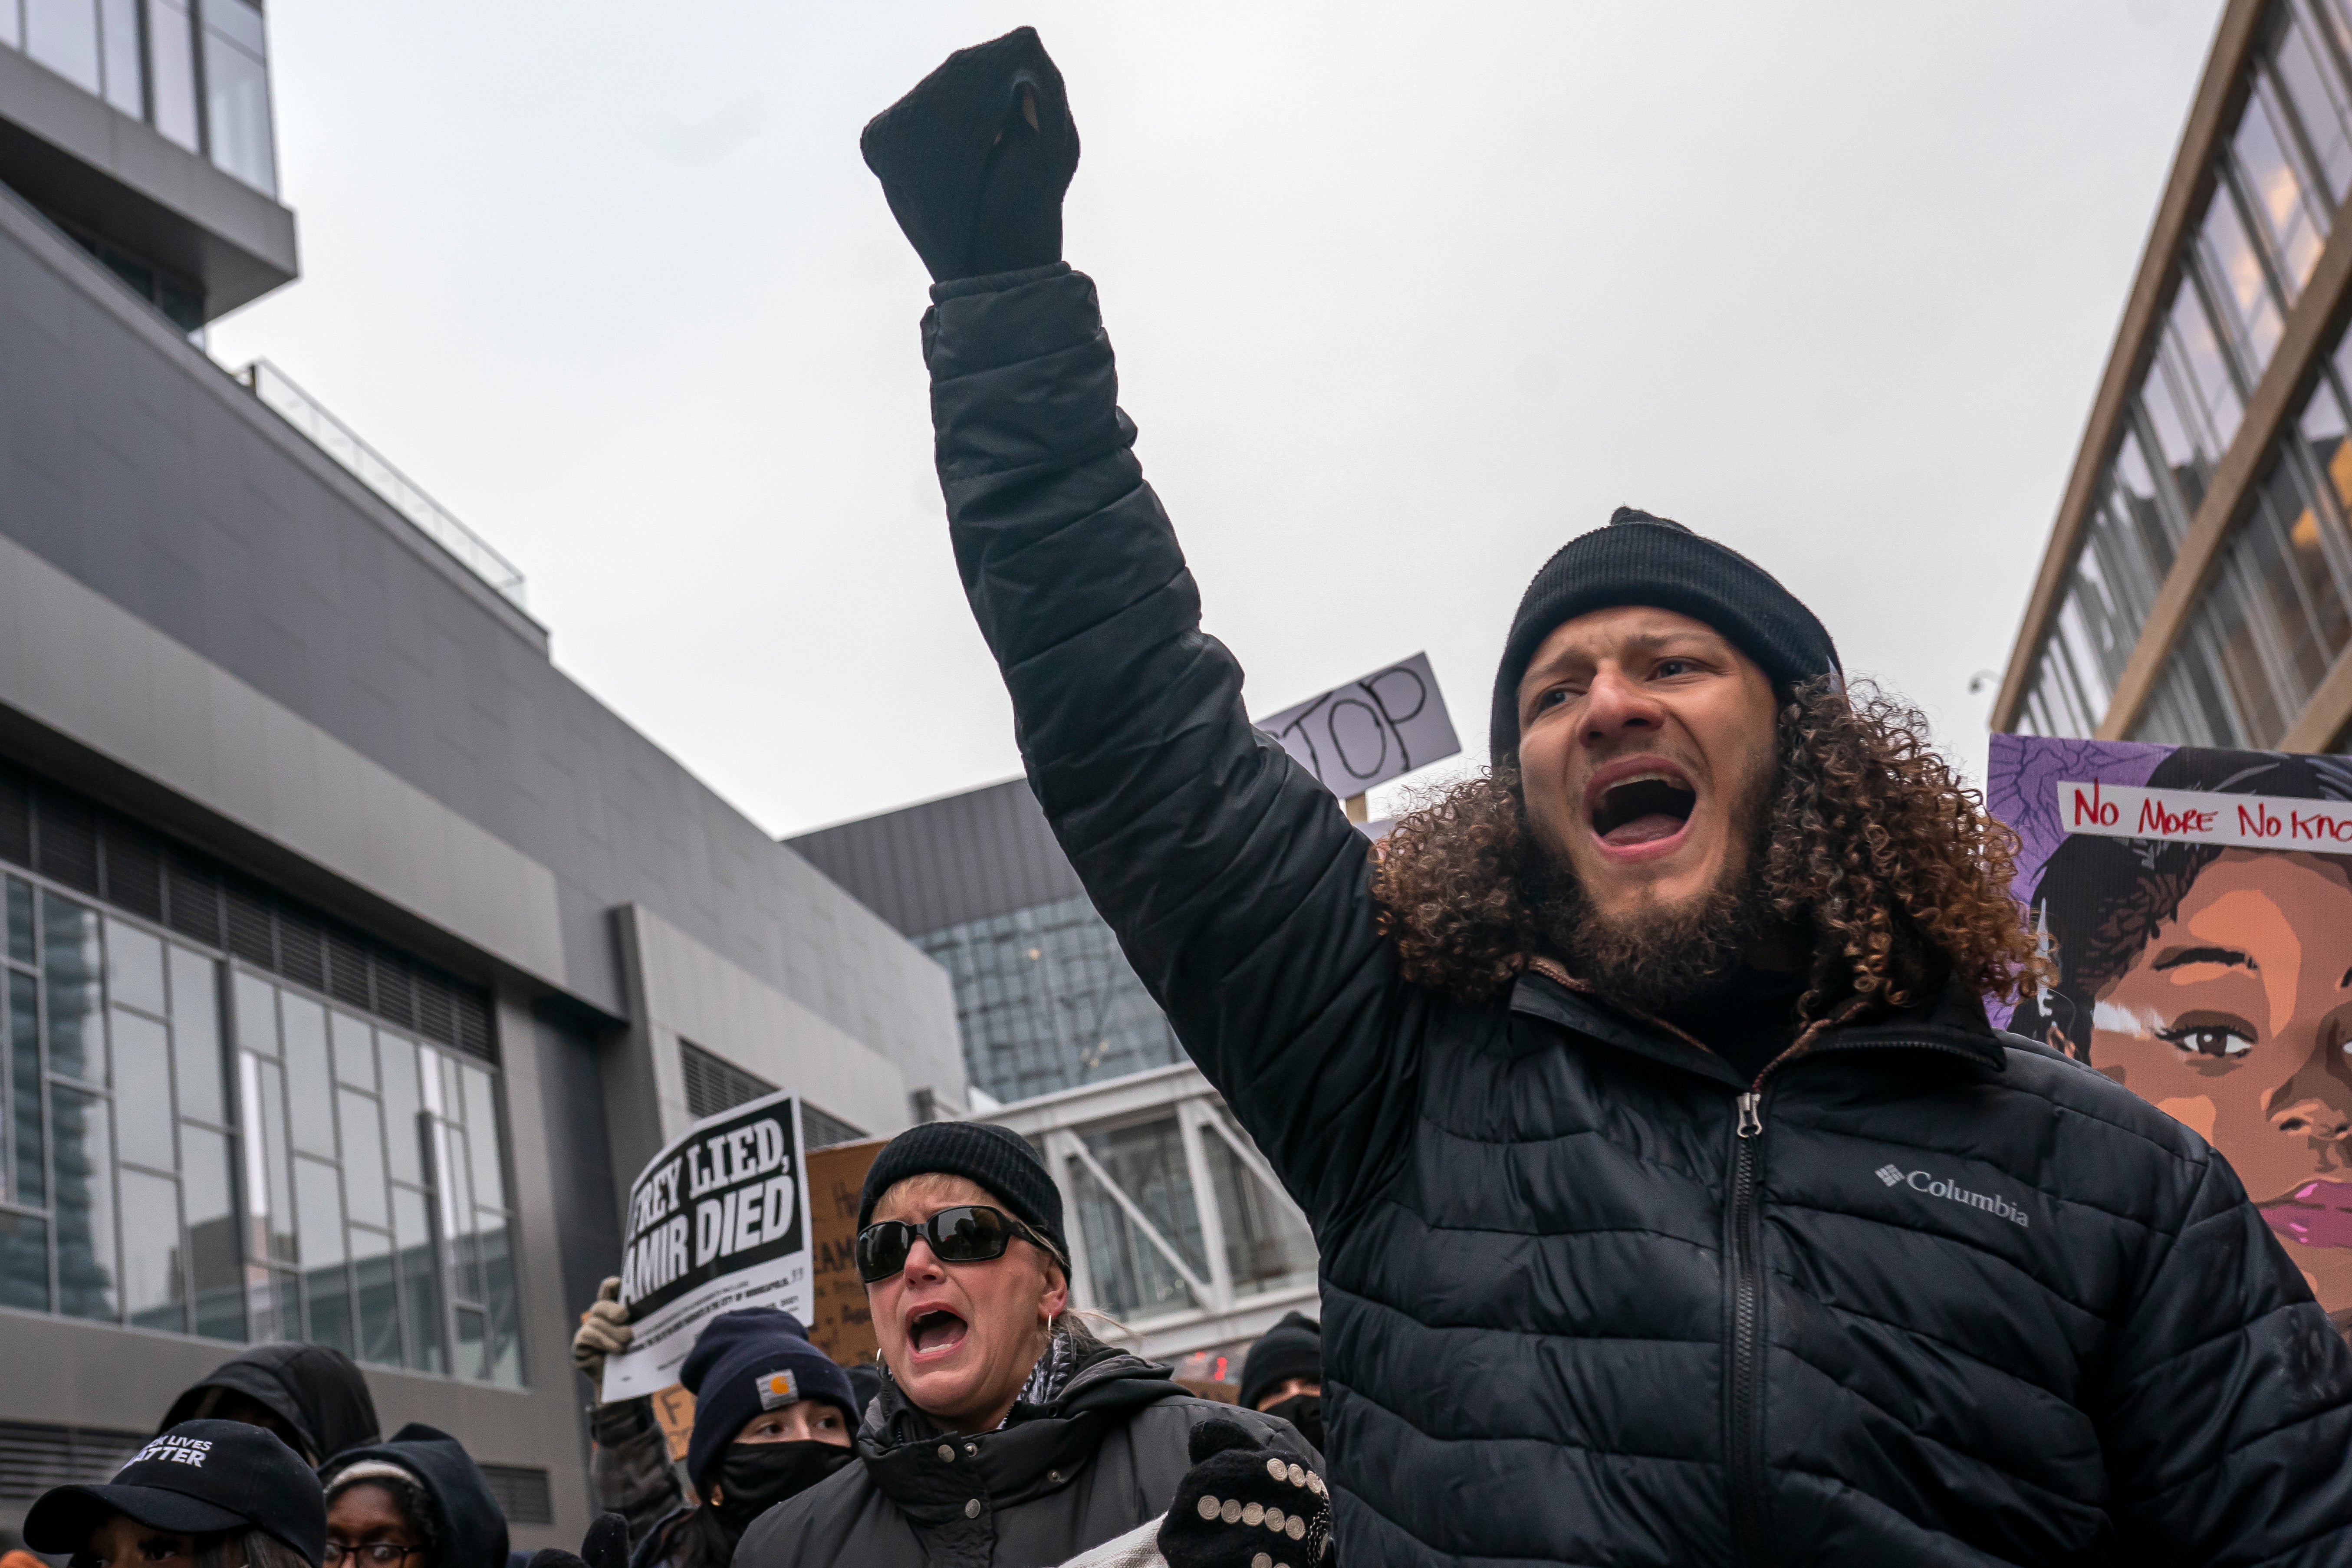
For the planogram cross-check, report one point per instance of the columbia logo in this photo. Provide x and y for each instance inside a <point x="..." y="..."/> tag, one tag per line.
<point x="1936" y="1186"/>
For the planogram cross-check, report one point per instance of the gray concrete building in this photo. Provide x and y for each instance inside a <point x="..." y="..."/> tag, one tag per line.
<point x="354" y="956"/>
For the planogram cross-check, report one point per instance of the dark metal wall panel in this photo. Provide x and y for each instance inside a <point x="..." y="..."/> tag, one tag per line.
<point x="923" y="868"/>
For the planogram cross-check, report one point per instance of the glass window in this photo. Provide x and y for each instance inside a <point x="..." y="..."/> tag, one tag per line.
<point x="2242" y="289"/>
<point x="420" y="1280"/>
<point x="2274" y="189"/>
<point x="354" y="1051"/>
<point x="84" y="1178"/>
<point x="171" y="64"/>
<point x="213" y="1251"/>
<point x="1267" y="1245"/>
<point x="237" y="94"/>
<point x="71" y="966"/>
<point x="20" y="905"/>
<point x="310" y="1088"/>
<point x="142" y="1089"/>
<point x="403" y="1137"/>
<point x="126" y="83"/>
<point x="134" y="970"/>
<point x="63" y="36"/>
<point x="318" y="1199"/>
<point x="198" y="1070"/>
<point x="1045" y="1001"/>
<point x="269" y="1190"/>
<point x="2312" y="97"/>
<point x="363" y="1159"/>
<point x="373" y="1266"/>
<point x="328" y="1181"/>
<point x="153" y="1296"/>
<point x="29" y="1183"/>
<point x="256" y="1015"/>
<point x="24" y="1262"/>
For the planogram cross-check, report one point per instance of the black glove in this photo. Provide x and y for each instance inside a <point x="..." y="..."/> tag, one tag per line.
<point x="606" y="1546"/>
<point x="1245" y="1506"/>
<point x="975" y="159"/>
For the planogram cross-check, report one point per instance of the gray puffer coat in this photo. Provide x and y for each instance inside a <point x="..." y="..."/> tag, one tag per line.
<point x="1102" y="1458"/>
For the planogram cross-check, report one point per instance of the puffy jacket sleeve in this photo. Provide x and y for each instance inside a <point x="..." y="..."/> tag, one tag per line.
<point x="1236" y="886"/>
<point x="2228" y="1417"/>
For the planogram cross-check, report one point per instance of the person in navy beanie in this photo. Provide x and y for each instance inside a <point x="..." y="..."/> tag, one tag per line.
<point x="772" y="1416"/>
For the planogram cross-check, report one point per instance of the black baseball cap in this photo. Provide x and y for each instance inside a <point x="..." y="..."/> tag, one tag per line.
<point x="200" y="1478"/>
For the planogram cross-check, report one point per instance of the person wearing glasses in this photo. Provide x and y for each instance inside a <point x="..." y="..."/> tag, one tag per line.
<point x="1004" y="1432"/>
<point x="202" y="1494"/>
<point x="416" y="1501"/>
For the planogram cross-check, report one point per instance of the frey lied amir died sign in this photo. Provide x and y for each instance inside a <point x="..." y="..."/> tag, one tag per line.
<point x="717" y="1221"/>
<point x="1358" y="736"/>
<point x="2194" y="816"/>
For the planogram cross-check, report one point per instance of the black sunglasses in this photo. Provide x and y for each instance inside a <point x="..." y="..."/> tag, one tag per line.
<point x="968" y="1233"/>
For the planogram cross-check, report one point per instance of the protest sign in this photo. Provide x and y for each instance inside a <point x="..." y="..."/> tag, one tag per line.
<point x="840" y="1323"/>
<point x="1358" y="736"/>
<point x="717" y="1221"/>
<point x="2198" y="904"/>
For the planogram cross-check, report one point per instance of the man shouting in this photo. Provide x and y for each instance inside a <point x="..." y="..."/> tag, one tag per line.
<point x="1676" y="1203"/>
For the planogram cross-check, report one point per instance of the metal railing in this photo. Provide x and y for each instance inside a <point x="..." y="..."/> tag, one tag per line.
<point x="279" y="393"/>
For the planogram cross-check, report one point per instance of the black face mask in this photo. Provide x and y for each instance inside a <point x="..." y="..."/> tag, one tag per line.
<point x="1303" y="1411"/>
<point x="754" y="1477"/>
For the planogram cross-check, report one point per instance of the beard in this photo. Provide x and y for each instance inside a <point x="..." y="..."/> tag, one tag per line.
<point x="1658" y="957"/>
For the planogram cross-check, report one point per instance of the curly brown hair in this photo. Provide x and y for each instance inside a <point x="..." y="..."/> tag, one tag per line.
<point x="1870" y="838"/>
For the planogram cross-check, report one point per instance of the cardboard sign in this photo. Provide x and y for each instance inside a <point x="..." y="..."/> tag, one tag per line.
<point x="839" y="1322"/>
<point x="2198" y="904"/>
<point x="1358" y="736"/>
<point x="717" y="1221"/>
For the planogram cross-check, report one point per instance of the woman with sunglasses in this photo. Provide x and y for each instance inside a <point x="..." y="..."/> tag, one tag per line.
<point x="418" y="1502"/>
<point x="1004" y="1432"/>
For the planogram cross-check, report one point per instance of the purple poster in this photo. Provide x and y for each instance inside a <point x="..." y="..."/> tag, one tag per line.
<point x="2199" y="906"/>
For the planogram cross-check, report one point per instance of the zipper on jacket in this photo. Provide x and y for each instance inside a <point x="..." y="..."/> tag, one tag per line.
<point x="1746" y="1369"/>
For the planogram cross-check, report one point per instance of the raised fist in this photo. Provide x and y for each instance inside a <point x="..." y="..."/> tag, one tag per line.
<point x="974" y="160"/>
<point x="1242" y="1505"/>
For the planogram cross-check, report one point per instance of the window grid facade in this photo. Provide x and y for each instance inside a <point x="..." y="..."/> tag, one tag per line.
<point x="1046" y="1001"/>
<point x="196" y="70"/>
<point x="2280" y="172"/>
<point x="191" y="1147"/>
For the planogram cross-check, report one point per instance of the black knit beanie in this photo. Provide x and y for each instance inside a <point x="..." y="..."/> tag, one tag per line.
<point x="1639" y="559"/>
<point x="997" y="1158"/>
<point x="1292" y="1348"/>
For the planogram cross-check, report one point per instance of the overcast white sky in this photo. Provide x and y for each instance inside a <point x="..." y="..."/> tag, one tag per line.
<point x="1403" y="297"/>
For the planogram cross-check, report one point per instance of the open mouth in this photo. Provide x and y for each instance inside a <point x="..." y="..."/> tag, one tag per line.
<point x="935" y="1332"/>
<point x="1643" y="807"/>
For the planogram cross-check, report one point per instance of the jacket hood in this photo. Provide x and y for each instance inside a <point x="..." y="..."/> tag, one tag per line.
<point x="315" y="1389"/>
<point x="468" y="1530"/>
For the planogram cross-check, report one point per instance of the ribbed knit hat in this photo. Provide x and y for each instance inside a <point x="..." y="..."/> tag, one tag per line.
<point x="745" y="1362"/>
<point x="996" y="1157"/>
<point x="1639" y="559"/>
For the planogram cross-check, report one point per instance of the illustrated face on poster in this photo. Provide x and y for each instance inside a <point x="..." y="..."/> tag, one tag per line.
<point x="2199" y="904"/>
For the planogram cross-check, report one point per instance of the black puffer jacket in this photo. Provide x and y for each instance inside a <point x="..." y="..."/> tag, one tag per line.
<point x="1925" y="1294"/>
<point x="1102" y="1458"/>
